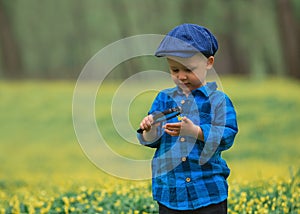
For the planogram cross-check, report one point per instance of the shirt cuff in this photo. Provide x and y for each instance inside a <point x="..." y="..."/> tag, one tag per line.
<point x="153" y="144"/>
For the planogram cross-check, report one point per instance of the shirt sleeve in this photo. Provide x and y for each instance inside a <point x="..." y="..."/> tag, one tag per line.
<point x="154" y="144"/>
<point x="220" y="134"/>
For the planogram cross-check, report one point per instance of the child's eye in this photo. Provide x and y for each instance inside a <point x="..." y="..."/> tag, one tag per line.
<point x="187" y="70"/>
<point x="175" y="70"/>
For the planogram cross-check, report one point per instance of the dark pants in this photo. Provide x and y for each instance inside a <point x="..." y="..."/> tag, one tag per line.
<point x="220" y="208"/>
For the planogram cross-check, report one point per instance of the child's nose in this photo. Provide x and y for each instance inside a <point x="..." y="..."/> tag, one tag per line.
<point x="181" y="75"/>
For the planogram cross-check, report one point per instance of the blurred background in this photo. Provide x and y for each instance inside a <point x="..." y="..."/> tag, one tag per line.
<point x="54" y="39"/>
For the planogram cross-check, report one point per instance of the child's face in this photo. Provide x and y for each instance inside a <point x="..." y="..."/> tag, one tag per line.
<point x="190" y="73"/>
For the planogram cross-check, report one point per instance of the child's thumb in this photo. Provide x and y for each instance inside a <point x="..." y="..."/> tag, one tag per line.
<point x="184" y="119"/>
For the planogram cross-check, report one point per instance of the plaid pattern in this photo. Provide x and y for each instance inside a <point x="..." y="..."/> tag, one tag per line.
<point x="188" y="173"/>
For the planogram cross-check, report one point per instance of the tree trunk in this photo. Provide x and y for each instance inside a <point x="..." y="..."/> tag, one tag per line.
<point x="12" y="63"/>
<point x="230" y="61"/>
<point x="290" y="34"/>
<point x="121" y="11"/>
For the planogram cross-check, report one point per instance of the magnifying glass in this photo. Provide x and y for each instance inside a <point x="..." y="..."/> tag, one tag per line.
<point x="164" y="116"/>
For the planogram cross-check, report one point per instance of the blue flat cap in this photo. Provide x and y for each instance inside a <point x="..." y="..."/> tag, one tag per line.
<point x="186" y="40"/>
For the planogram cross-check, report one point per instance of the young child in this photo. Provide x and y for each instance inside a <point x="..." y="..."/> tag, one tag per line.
<point x="188" y="173"/>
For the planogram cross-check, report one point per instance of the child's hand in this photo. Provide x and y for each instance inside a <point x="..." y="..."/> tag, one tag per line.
<point x="146" y="123"/>
<point x="185" y="127"/>
<point x="149" y="134"/>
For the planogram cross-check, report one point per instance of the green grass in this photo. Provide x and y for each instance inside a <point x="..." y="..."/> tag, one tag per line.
<point x="39" y="149"/>
<point x="37" y="130"/>
<point x="268" y="121"/>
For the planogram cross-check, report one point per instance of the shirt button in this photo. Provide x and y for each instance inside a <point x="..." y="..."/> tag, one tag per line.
<point x="182" y="139"/>
<point x="182" y="101"/>
<point x="187" y="179"/>
<point x="183" y="159"/>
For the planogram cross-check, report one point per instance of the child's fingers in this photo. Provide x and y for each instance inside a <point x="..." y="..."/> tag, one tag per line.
<point x="172" y="129"/>
<point x="172" y="132"/>
<point x="146" y="123"/>
<point x="185" y="119"/>
<point x="173" y="125"/>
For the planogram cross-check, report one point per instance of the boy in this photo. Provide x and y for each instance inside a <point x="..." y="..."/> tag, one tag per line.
<point x="188" y="173"/>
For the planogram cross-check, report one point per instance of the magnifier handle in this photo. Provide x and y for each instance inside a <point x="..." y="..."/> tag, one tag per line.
<point x="140" y="130"/>
<point x="159" y="120"/>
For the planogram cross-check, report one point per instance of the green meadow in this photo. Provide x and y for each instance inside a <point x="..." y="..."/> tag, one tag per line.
<point x="39" y="150"/>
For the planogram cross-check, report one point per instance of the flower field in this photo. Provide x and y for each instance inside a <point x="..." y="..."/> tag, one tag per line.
<point x="44" y="170"/>
<point x="274" y="196"/>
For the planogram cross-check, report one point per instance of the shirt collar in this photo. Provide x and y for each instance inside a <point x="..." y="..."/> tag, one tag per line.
<point x="206" y="90"/>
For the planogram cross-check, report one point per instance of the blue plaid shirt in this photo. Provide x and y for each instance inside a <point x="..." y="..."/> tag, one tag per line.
<point x="188" y="173"/>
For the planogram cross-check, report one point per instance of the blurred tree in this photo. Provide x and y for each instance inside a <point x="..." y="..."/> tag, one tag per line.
<point x="253" y="38"/>
<point x="122" y="10"/>
<point x="12" y="62"/>
<point x="54" y="39"/>
<point x="226" y="18"/>
<point x="189" y="10"/>
<point x="290" y="36"/>
<point x="77" y="43"/>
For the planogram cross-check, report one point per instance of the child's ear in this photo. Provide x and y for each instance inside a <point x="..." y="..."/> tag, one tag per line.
<point x="210" y="62"/>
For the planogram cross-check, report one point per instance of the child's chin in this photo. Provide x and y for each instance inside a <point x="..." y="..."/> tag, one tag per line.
<point x="185" y="88"/>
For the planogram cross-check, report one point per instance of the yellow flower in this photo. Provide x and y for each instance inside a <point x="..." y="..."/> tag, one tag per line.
<point x="270" y="190"/>
<point x="72" y="200"/>
<point x="58" y="209"/>
<point x="117" y="203"/>
<point x="249" y="209"/>
<point x="99" y="209"/>
<point x="273" y="207"/>
<point x="46" y="209"/>
<point x="66" y="209"/>
<point x="79" y="198"/>
<point x="286" y="210"/>
<point x="39" y="204"/>
<point x="284" y="197"/>
<point x="237" y="207"/>
<point x="83" y="188"/>
<point x="66" y="201"/>
<point x="243" y="194"/>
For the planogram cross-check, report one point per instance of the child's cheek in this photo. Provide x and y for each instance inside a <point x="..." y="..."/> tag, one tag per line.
<point x="175" y="80"/>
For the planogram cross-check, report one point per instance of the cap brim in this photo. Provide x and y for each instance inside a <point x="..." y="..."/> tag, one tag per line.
<point x="181" y="54"/>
